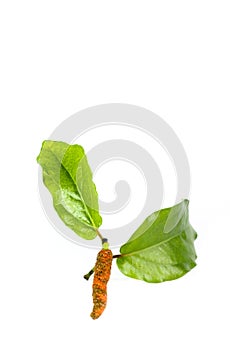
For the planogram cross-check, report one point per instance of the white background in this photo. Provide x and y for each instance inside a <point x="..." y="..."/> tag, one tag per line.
<point x="58" y="57"/>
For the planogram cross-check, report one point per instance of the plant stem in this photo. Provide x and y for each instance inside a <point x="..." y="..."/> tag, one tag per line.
<point x="87" y="276"/>
<point x="117" y="256"/>
<point x="99" y="235"/>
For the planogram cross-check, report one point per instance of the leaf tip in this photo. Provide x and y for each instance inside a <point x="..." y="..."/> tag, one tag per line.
<point x="42" y="146"/>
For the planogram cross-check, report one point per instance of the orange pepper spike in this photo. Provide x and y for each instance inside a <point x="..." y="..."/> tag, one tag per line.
<point x="102" y="272"/>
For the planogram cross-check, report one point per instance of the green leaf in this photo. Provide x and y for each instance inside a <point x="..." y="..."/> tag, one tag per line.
<point x="162" y="248"/>
<point x="68" y="177"/>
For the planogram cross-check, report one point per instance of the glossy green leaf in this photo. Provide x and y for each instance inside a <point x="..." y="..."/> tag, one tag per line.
<point x="162" y="248"/>
<point x="68" y="177"/>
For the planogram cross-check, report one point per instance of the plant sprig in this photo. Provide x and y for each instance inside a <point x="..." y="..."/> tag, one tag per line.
<point x="161" y="249"/>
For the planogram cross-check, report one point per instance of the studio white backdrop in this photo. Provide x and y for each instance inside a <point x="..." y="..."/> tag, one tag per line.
<point x="58" y="58"/>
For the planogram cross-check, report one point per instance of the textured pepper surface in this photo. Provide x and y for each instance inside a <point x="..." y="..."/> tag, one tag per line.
<point x="102" y="272"/>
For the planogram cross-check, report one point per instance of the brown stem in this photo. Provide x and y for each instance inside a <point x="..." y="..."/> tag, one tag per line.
<point x="87" y="276"/>
<point x="117" y="256"/>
